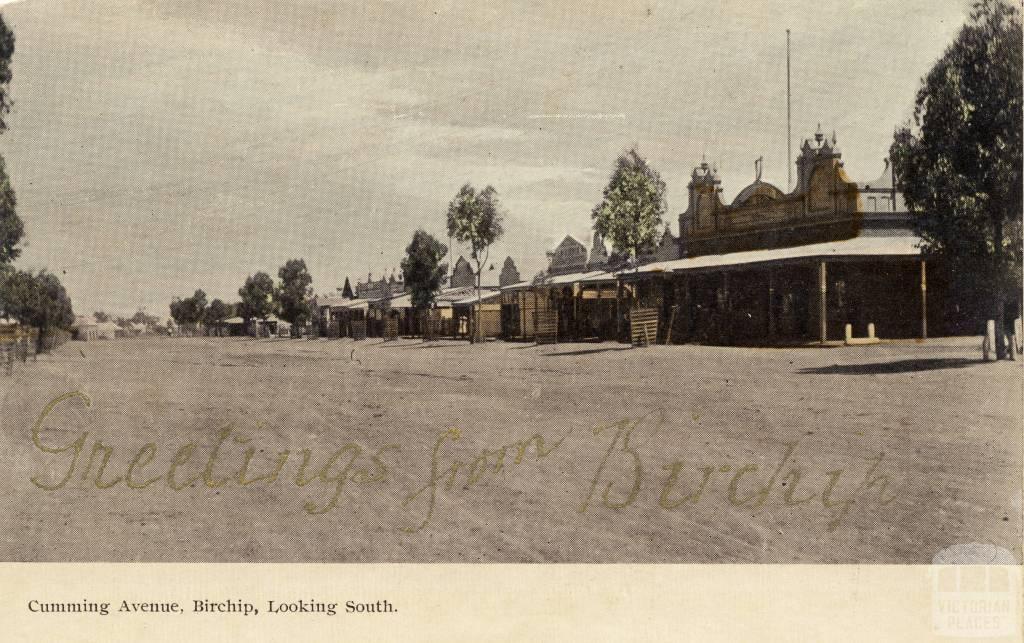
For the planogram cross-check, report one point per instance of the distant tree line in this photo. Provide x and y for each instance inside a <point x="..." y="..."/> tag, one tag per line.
<point x="259" y="298"/>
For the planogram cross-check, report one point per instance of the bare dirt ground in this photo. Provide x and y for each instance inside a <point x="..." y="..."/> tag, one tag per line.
<point x="298" y="450"/>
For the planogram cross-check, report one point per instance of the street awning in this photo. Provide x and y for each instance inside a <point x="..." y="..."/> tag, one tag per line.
<point x="331" y="301"/>
<point x="598" y="277"/>
<point x="353" y="304"/>
<point x="856" y="248"/>
<point x="571" y="278"/>
<point x="486" y="295"/>
<point x="522" y="285"/>
<point x="402" y="301"/>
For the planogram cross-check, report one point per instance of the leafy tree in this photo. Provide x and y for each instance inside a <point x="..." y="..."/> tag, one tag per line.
<point x="6" y="53"/>
<point x="37" y="300"/>
<point x="215" y="315"/>
<point x="959" y="166"/>
<point x="347" y="290"/>
<point x="101" y="317"/>
<point x="295" y="292"/>
<point x="632" y="206"/>
<point x="179" y="312"/>
<point x="257" y="297"/>
<point x="196" y="307"/>
<point x="11" y="227"/>
<point x="475" y="219"/>
<point x="142" y="318"/>
<point x="423" y="270"/>
<point x="187" y="313"/>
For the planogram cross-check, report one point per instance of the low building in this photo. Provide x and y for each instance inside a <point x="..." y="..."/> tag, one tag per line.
<point x="468" y="310"/>
<point x="85" y="329"/>
<point x="575" y="298"/>
<point x="108" y="330"/>
<point x="235" y="326"/>
<point x="351" y="317"/>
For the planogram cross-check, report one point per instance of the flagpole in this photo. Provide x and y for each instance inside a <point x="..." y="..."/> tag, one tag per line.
<point x="789" y="123"/>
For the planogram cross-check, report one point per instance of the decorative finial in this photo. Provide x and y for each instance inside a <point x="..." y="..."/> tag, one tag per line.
<point x="758" y="168"/>
<point x="819" y="135"/>
<point x="833" y="138"/>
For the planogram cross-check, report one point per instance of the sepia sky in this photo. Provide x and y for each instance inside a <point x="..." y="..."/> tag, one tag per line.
<point x="157" y="147"/>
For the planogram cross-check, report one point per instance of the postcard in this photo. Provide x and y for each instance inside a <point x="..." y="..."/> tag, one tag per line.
<point x="510" y="321"/>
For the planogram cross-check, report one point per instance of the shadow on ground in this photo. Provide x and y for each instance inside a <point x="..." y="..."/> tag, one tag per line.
<point x="431" y="346"/>
<point x="587" y="351"/>
<point x="902" y="366"/>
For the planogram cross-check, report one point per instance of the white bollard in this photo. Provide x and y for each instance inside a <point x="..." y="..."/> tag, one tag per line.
<point x="871" y="331"/>
<point x="989" y="346"/>
<point x="848" y="331"/>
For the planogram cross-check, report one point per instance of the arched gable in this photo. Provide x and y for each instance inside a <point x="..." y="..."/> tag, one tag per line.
<point x="757" y="193"/>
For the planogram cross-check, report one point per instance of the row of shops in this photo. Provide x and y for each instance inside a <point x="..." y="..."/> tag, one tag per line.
<point x="453" y="315"/>
<point x="793" y="295"/>
<point x="833" y="259"/>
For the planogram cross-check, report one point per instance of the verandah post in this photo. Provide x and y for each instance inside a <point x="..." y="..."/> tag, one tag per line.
<point x="924" y="300"/>
<point x="727" y="326"/>
<point x="618" y="310"/>
<point x="823" y="300"/>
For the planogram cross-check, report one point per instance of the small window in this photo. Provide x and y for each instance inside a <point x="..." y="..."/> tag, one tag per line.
<point x="872" y="204"/>
<point x="883" y="203"/>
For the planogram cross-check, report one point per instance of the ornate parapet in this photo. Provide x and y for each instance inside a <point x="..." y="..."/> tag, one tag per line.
<point x="825" y="205"/>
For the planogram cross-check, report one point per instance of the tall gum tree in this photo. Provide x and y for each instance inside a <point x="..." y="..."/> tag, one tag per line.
<point x="475" y="219"/>
<point x="959" y="163"/>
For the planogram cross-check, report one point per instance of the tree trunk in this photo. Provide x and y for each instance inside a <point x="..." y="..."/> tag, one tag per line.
<point x="999" y="314"/>
<point x="478" y="326"/>
<point x="1000" y="297"/>
<point x="618" y="311"/>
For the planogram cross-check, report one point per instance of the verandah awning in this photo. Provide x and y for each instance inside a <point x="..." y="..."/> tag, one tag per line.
<point x="858" y="247"/>
<point x="486" y="295"/>
<point x="593" y="276"/>
<point x="352" y="304"/>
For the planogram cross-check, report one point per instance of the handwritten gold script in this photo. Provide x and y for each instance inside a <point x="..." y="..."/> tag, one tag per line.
<point x="622" y="478"/>
<point x="346" y="464"/>
<point x="474" y="471"/>
<point x="872" y="488"/>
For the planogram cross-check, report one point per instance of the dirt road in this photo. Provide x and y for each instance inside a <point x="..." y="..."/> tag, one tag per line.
<point x="175" y="449"/>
